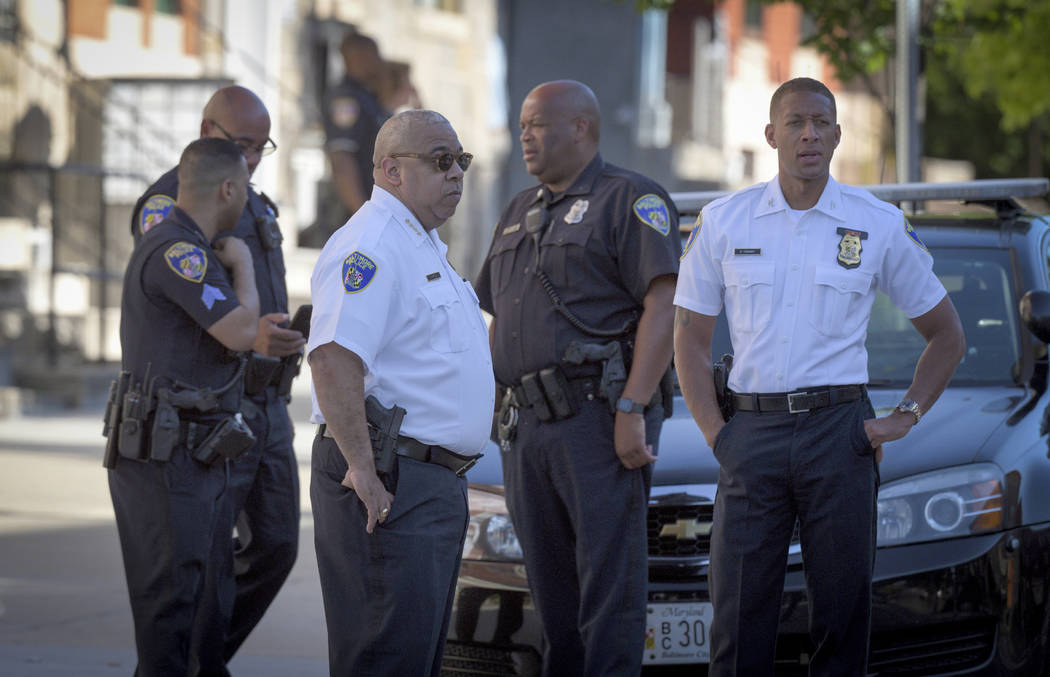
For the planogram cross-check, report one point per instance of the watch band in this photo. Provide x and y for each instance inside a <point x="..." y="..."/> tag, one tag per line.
<point x="629" y="406"/>
<point x="910" y="406"/>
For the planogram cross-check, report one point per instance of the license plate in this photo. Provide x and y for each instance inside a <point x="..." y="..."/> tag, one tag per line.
<point x="677" y="633"/>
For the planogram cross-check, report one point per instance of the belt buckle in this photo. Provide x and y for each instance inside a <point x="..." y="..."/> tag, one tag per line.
<point x="468" y="465"/>
<point x="791" y="402"/>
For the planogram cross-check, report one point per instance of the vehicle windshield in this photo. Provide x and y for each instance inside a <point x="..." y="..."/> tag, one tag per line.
<point x="979" y="284"/>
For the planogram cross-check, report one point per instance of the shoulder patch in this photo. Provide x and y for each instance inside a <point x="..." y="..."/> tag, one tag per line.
<point x="187" y="260"/>
<point x="358" y="271"/>
<point x="692" y="235"/>
<point x="154" y="211"/>
<point x="652" y="211"/>
<point x="344" y="111"/>
<point x="914" y="236"/>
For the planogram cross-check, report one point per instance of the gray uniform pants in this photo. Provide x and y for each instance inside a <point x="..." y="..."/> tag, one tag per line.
<point x="387" y="595"/>
<point x="775" y="466"/>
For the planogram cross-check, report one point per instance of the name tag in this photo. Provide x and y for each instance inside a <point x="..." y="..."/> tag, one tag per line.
<point x="748" y="252"/>
<point x="433" y="276"/>
<point x="512" y="229"/>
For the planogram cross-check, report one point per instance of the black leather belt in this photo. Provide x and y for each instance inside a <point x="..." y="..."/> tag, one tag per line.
<point x="427" y="453"/>
<point x="800" y="401"/>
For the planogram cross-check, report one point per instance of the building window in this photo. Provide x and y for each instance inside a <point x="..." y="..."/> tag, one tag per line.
<point x="167" y="6"/>
<point x="753" y="14"/>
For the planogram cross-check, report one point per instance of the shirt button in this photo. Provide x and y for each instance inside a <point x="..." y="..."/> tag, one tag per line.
<point x="783" y="340"/>
<point x="517" y="301"/>
<point x="794" y="267"/>
<point x="745" y="281"/>
<point x="842" y="285"/>
<point x="790" y="303"/>
<point x="514" y="334"/>
<point x="526" y="271"/>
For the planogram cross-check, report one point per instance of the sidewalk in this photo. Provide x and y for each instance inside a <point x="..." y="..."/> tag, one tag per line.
<point x="63" y="603"/>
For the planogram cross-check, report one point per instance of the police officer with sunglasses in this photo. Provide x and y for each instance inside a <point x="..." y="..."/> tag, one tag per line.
<point x="263" y="496"/>
<point x="403" y="392"/>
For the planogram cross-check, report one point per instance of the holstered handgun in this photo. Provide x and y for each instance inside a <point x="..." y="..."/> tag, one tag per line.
<point x="614" y="370"/>
<point x="384" y="426"/>
<point x="720" y="373"/>
<point x="291" y="364"/>
<point x="111" y="421"/>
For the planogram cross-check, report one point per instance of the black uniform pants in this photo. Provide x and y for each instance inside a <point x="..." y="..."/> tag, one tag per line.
<point x="387" y="595"/>
<point x="170" y="518"/>
<point x="580" y="517"/>
<point x="819" y="466"/>
<point x="264" y="496"/>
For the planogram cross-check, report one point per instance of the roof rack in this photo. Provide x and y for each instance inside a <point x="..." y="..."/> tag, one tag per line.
<point x="982" y="190"/>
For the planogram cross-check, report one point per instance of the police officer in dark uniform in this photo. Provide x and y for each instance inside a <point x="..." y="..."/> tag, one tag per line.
<point x="264" y="483"/>
<point x="580" y="278"/>
<point x="174" y="418"/>
<point x="353" y="115"/>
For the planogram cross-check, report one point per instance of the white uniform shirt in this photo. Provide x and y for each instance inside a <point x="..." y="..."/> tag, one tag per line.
<point x="383" y="289"/>
<point x="798" y="292"/>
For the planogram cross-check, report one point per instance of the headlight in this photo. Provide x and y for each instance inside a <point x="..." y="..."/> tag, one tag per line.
<point x="490" y="535"/>
<point x="941" y="504"/>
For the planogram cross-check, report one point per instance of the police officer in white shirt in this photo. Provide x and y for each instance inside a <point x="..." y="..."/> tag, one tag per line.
<point x="393" y="320"/>
<point x="798" y="262"/>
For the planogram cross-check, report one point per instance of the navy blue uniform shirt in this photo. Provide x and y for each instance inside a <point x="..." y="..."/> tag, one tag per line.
<point x="352" y="118"/>
<point x="609" y="235"/>
<point x="175" y="287"/>
<point x="257" y="227"/>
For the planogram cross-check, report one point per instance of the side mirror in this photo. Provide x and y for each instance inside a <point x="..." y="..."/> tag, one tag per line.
<point x="1035" y="313"/>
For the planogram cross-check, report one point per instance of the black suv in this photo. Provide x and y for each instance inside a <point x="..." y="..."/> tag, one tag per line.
<point x="962" y="574"/>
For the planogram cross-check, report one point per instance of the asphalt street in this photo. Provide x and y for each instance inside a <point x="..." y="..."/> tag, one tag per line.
<point x="63" y="603"/>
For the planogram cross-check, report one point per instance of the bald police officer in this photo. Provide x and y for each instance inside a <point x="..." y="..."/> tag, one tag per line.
<point x="579" y="278"/>
<point x="395" y="326"/>
<point x="798" y="262"/>
<point x="177" y="417"/>
<point x="265" y="482"/>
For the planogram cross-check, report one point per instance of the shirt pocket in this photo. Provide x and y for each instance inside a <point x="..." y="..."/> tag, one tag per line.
<point x="749" y="294"/>
<point x="565" y="252"/>
<point x="447" y="333"/>
<point x="837" y="300"/>
<point x="507" y="257"/>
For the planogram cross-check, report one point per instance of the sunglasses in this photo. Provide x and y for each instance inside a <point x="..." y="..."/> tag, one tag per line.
<point x="442" y="161"/>
<point x="264" y="149"/>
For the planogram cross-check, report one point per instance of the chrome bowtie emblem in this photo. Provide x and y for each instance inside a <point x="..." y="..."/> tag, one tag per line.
<point x="685" y="530"/>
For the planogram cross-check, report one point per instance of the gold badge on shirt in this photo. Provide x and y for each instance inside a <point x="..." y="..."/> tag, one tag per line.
<point x="850" y="247"/>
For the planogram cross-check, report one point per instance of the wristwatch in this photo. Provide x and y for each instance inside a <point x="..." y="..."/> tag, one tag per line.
<point x="629" y="406"/>
<point x="910" y="406"/>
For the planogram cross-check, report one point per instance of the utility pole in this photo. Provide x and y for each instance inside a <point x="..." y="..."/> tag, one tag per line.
<point x="908" y="143"/>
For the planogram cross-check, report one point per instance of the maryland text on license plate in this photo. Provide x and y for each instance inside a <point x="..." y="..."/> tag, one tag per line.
<point x="677" y="633"/>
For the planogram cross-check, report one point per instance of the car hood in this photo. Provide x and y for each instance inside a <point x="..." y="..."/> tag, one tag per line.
<point x="952" y="433"/>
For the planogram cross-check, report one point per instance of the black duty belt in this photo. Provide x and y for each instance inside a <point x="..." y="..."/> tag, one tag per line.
<point x="427" y="453"/>
<point x="799" y="401"/>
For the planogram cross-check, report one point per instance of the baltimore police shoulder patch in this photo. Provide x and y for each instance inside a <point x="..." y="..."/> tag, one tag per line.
<point x="154" y="211"/>
<point x="187" y="260"/>
<point x="914" y="236"/>
<point x="652" y="211"/>
<point x="358" y="271"/>
<point x="692" y="235"/>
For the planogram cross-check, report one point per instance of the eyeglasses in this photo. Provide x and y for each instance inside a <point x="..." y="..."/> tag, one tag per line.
<point x="245" y="146"/>
<point x="442" y="161"/>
